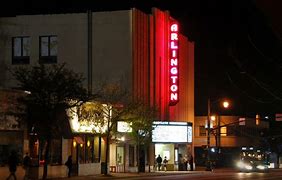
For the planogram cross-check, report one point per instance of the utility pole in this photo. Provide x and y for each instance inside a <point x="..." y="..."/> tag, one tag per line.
<point x="208" y="159"/>
<point x="208" y="163"/>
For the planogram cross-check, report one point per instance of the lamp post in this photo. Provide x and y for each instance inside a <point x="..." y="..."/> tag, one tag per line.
<point x="208" y="160"/>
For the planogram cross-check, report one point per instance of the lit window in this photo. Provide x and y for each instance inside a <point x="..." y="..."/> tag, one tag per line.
<point x="223" y="131"/>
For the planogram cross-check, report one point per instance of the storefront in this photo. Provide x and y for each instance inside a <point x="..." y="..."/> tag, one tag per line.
<point x="173" y="140"/>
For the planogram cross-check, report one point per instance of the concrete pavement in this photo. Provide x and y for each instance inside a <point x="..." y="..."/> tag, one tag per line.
<point x="4" y="172"/>
<point x="127" y="175"/>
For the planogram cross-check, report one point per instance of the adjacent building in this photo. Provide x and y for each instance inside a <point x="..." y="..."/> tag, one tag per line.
<point x="229" y="134"/>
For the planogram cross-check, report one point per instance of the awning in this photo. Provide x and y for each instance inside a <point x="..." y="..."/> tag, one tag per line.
<point x="78" y="139"/>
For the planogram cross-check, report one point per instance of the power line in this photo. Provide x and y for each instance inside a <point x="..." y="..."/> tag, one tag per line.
<point x="245" y="92"/>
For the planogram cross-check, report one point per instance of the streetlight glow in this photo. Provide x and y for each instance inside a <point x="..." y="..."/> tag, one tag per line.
<point x="226" y="104"/>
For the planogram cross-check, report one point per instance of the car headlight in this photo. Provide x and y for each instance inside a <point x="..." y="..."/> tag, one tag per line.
<point x="240" y="164"/>
<point x="261" y="167"/>
<point x="243" y="165"/>
<point x="248" y="167"/>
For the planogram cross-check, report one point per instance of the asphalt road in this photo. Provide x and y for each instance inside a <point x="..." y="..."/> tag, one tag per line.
<point x="199" y="175"/>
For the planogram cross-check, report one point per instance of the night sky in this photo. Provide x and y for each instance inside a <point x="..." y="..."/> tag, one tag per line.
<point x="238" y="46"/>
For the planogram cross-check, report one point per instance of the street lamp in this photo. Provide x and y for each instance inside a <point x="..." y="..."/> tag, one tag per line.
<point x="225" y="104"/>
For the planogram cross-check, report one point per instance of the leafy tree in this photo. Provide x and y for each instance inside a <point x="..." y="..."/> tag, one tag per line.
<point x="105" y="112"/>
<point x="53" y="89"/>
<point x="141" y="117"/>
<point x="114" y="104"/>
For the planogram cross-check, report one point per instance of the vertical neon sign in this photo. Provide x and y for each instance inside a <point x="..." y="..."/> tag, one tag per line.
<point x="173" y="65"/>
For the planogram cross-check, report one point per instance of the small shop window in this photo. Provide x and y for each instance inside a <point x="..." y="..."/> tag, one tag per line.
<point x="89" y="150"/>
<point x="202" y="131"/>
<point x="120" y="155"/>
<point x="223" y="131"/>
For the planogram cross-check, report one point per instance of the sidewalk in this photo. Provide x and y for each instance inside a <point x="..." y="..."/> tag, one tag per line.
<point x="127" y="175"/>
<point x="4" y="172"/>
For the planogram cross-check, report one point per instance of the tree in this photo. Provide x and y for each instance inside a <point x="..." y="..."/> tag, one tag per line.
<point x="53" y="89"/>
<point x="140" y="118"/>
<point x="105" y="112"/>
<point x="115" y="104"/>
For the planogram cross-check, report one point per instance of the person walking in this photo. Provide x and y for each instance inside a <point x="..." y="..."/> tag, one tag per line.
<point x="155" y="164"/>
<point x="165" y="163"/>
<point x="69" y="165"/>
<point x="185" y="162"/>
<point x="26" y="165"/>
<point x="13" y="162"/>
<point x="191" y="163"/>
<point x="159" y="161"/>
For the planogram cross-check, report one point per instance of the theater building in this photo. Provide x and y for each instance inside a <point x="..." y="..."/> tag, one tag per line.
<point x="148" y="52"/>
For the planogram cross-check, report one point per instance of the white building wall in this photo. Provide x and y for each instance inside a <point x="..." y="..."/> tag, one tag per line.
<point x="71" y="31"/>
<point x="112" y="47"/>
<point x="111" y="42"/>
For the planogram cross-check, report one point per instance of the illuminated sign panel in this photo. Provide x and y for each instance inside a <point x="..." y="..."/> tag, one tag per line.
<point x="173" y="65"/>
<point x="123" y="127"/>
<point x="89" y="125"/>
<point x="172" y="132"/>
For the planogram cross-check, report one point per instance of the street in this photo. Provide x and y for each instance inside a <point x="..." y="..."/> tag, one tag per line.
<point x="199" y="174"/>
<point x="221" y="174"/>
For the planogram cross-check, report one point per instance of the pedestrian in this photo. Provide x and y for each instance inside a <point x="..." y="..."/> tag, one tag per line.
<point x="165" y="163"/>
<point x="191" y="163"/>
<point x="68" y="163"/>
<point x="26" y="165"/>
<point x="155" y="163"/>
<point x="185" y="162"/>
<point x="159" y="161"/>
<point x="13" y="162"/>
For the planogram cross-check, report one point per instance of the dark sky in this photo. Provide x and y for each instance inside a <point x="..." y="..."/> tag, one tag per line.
<point x="238" y="51"/>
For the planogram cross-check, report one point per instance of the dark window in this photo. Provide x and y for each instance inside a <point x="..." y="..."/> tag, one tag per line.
<point x="202" y="131"/>
<point x="20" y="50"/>
<point x="131" y="155"/>
<point x="231" y="130"/>
<point x="89" y="150"/>
<point x="48" y="49"/>
<point x="56" y="153"/>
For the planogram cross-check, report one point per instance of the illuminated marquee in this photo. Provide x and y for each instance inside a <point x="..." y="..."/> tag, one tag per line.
<point x="163" y="130"/>
<point x="173" y="65"/>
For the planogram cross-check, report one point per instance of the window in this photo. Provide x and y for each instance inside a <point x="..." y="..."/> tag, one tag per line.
<point x="131" y="155"/>
<point x="89" y="149"/>
<point x="202" y="131"/>
<point x="55" y="152"/>
<point x="48" y="49"/>
<point x="231" y="130"/>
<point x="20" y="50"/>
<point x="120" y="155"/>
<point x="223" y="131"/>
